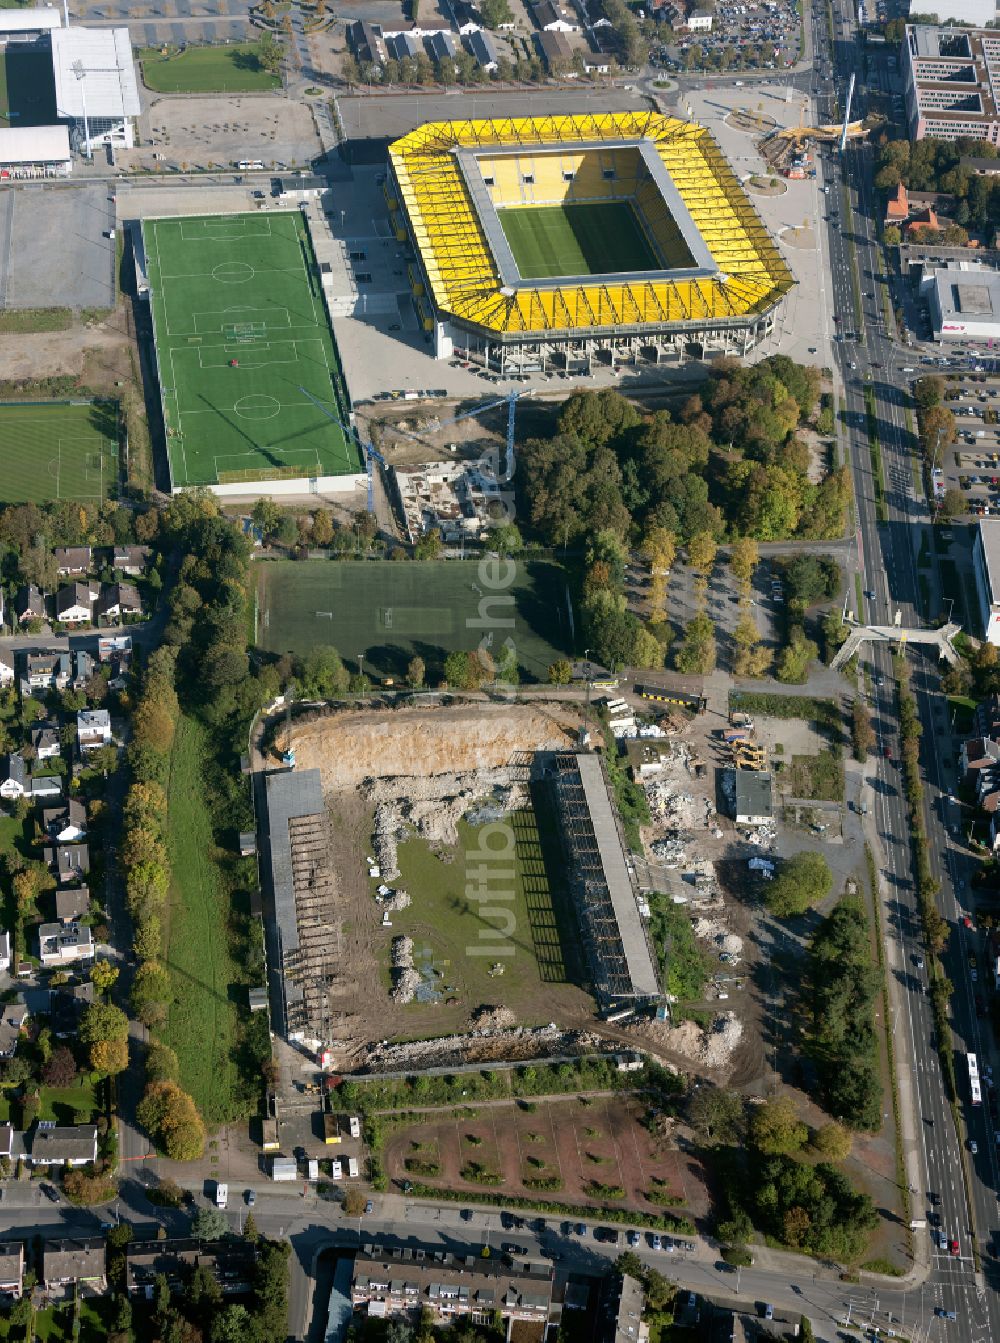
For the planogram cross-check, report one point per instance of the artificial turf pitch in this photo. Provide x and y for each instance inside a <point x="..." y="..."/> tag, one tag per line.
<point x="390" y="612"/>
<point x="570" y="239"/>
<point x="61" y="451"/>
<point x="241" y="336"/>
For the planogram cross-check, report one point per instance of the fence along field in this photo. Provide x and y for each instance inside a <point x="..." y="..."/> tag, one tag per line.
<point x="58" y="450"/>
<point x="390" y="612"/>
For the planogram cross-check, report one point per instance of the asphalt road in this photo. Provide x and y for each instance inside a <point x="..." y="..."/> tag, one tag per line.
<point x="888" y="562"/>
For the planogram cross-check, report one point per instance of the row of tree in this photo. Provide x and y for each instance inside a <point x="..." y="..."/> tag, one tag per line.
<point x="936" y="165"/>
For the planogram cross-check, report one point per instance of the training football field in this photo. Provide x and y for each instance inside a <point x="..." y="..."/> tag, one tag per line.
<point x="59" y="451"/>
<point x="243" y="343"/>
<point x="592" y="239"/>
<point x="389" y="612"/>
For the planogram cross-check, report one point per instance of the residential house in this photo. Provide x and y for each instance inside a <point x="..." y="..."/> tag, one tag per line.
<point x="112" y="645"/>
<point x="118" y="600"/>
<point x="4" y="955"/>
<point x="403" y="45"/>
<point x="6" y="669"/>
<point x="897" y="207"/>
<point x="366" y="41"/>
<point x="48" y="670"/>
<point x="552" y="17"/>
<point x="46" y="787"/>
<point x="620" y="1311"/>
<point x="483" y="49"/>
<point x="13" y="1016"/>
<point x="64" y="943"/>
<point x="978" y="753"/>
<point x="986" y="719"/>
<point x="66" y="823"/>
<point x="73" y="560"/>
<point x="44" y="738"/>
<point x="14" y="783"/>
<point x="923" y="219"/>
<point x="467" y="20"/>
<point x="72" y="903"/>
<point x="11" y="1267"/>
<point x="394" y="1283"/>
<point x="596" y="65"/>
<point x="68" y="1263"/>
<point x="130" y="560"/>
<point x="75" y="604"/>
<point x="556" y="52"/>
<point x="71" y="1145"/>
<point x="120" y="666"/>
<point x="230" y="1262"/>
<point x="67" y="1006"/>
<point x="988" y="790"/>
<point x="700" y="21"/>
<point x="93" y="729"/>
<point x="69" y="862"/>
<point x="29" y="604"/>
<point x="83" y="667"/>
<point x="442" y="46"/>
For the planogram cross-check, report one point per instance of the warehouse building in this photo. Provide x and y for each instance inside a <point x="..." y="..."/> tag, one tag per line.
<point x="986" y="565"/>
<point x="34" y="151"/>
<point x="96" y="88"/>
<point x="964" y="301"/>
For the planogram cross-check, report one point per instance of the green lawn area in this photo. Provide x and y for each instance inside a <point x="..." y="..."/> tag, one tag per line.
<point x="69" y="1105"/>
<point x="521" y="922"/>
<point x="58" y="451"/>
<point x="820" y="778"/>
<point x="392" y="611"/>
<point x="232" y="68"/>
<point x="53" y="1324"/>
<point x="592" y="239"/>
<point x="201" y="1022"/>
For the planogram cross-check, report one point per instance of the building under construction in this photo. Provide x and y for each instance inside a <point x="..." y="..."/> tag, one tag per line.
<point x="304" y="932"/>
<point x="621" y="960"/>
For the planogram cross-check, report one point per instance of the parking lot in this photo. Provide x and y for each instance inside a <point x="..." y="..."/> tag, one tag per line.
<point x="972" y="463"/>
<point x="763" y="36"/>
<point x="59" y="248"/>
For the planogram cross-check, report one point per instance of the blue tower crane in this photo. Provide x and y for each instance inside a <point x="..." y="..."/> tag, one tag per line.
<point x="370" y="451"/>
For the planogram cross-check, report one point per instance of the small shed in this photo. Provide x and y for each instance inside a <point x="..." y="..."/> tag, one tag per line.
<point x="257" y="998"/>
<point x="248" y="843"/>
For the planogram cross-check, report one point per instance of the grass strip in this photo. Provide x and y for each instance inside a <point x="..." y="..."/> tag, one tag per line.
<point x="859" y="314"/>
<point x="901" y="1181"/>
<point x="875" y="448"/>
<point x="682" y="1226"/>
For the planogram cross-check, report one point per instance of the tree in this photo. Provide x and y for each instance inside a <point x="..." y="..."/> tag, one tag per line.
<point x="716" y="1115"/>
<point x="265" y="514"/>
<point x="695" y="654"/>
<point x="702" y="550"/>
<point x="464" y="671"/>
<point x="750" y="656"/>
<point x="429" y="546"/>
<point x="103" y="976"/>
<point x="354" y="1203"/>
<point x="270" y="53"/>
<point x="322" y="528"/>
<point x="322" y="674"/>
<point x="60" y="1069"/>
<point x="109" y="1057"/>
<point x="800" y="882"/>
<point x="928" y="391"/>
<point x="85" y="1186"/>
<point x="103" y="1021"/>
<point x="250" y="1231"/>
<point x="169" y="1114"/>
<point x="954" y="503"/>
<point x="832" y="1142"/>
<point x="659" y="549"/>
<point x="232" y="1325"/>
<point x="795" y="657"/>
<point x="506" y="539"/>
<point x="210" y="1224"/>
<point x="560" y="672"/>
<point x="862" y="733"/>
<point x="744" y="557"/>
<point x="416" y="672"/>
<point x="775" y="1128"/>
<point x="495" y="13"/>
<point x="891" y="236"/>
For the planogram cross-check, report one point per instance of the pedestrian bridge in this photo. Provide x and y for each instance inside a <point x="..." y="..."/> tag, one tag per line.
<point x="942" y="637"/>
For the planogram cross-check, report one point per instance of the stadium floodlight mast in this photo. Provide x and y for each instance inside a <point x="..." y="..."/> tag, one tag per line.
<point x="371" y="452"/>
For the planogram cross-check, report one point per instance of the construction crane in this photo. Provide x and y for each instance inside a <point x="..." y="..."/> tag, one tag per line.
<point x="371" y="452"/>
<point x="510" y="400"/>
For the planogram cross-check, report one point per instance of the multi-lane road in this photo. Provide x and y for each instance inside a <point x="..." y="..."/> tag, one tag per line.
<point x="887" y="556"/>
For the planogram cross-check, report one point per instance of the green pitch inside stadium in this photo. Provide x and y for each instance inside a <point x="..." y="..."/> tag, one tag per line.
<point x="576" y="239"/>
<point x="241" y="329"/>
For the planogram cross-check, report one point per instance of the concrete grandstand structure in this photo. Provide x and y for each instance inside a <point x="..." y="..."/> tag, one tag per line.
<point x="706" y="271"/>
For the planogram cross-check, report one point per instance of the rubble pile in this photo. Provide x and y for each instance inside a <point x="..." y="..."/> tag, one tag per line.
<point x="521" y="1044"/>
<point x="433" y="806"/>
<point x="725" y="942"/>
<point x="490" y="1018"/>
<point x="405" y="979"/>
<point x="712" y="1047"/>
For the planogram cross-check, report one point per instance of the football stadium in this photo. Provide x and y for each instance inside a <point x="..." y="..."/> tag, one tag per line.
<point x="560" y="236"/>
<point x="250" y="381"/>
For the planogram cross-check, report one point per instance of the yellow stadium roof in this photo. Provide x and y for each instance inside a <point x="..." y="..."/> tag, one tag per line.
<point x="746" y="277"/>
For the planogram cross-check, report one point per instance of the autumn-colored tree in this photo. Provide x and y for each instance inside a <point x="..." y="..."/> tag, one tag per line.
<point x="702" y="550"/>
<point x="103" y="976"/>
<point x="170" y="1115"/>
<point x="109" y="1057"/>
